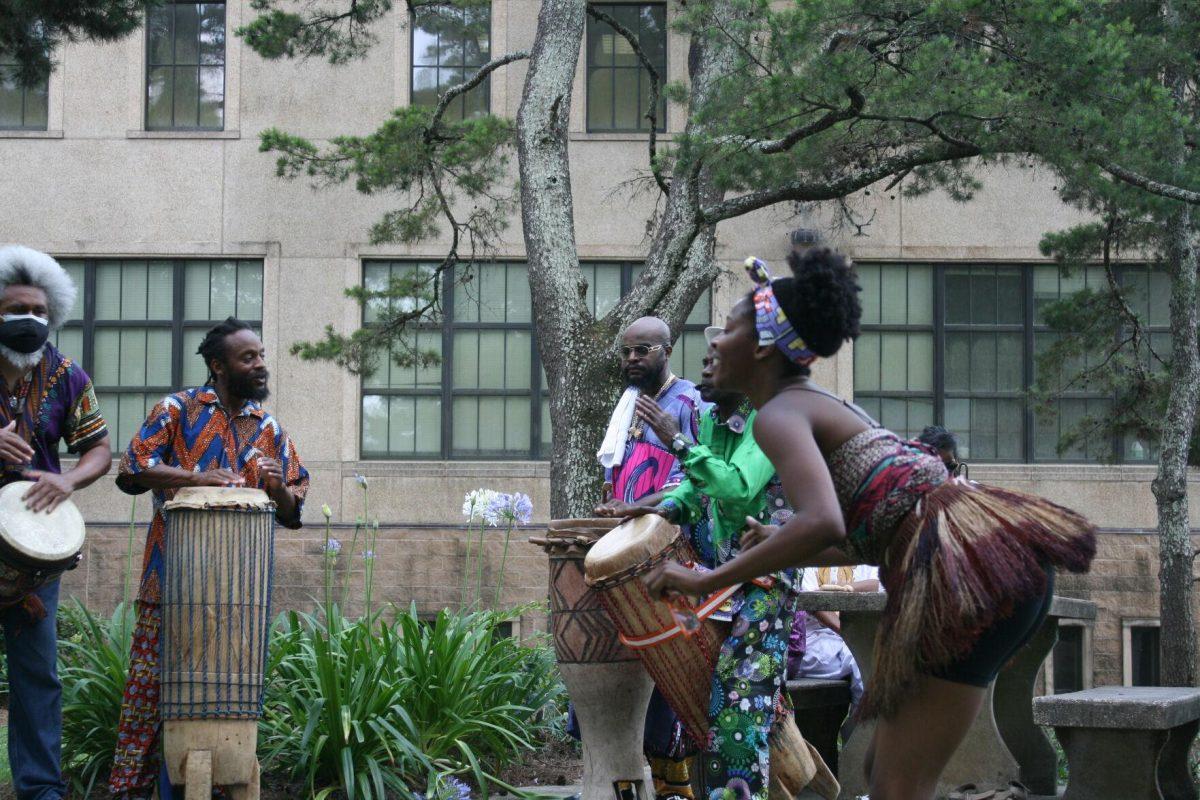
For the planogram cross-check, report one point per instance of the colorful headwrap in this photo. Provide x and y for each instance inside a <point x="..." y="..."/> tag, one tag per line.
<point x="772" y="324"/>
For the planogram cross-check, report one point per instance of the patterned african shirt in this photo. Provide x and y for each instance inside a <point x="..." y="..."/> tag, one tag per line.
<point x="193" y="431"/>
<point x="54" y="402"/>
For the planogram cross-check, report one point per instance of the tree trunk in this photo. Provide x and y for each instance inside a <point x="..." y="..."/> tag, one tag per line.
<point x="1177" y="634"/>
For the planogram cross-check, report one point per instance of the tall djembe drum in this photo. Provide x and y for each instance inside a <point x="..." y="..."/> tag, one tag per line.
<point x="216" y="617"/>
<point x="606" y="682"/>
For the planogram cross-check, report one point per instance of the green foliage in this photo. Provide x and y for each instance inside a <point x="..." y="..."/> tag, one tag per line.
<point x="92" y="666"/>
<point x="30" y="30"/>
<point x="374" y="708"/>
<point x="339" y="33"/>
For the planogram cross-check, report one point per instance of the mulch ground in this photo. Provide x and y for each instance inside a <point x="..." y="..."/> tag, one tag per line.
<point x="556" y="763"/>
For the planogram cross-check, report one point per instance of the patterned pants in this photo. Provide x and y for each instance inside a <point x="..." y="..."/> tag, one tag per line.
<point x="135" y="766"/>
<point x="748" y="696"/>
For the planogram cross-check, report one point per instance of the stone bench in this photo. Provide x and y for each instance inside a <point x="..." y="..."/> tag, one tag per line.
<point x="1125" y="742"/>
<point x="821" y="705"/>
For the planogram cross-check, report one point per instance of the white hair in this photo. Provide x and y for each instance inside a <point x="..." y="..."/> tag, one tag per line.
<point x="24" y="266"/>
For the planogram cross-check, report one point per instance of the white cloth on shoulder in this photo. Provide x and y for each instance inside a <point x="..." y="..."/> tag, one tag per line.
<point x="612" y="451"/>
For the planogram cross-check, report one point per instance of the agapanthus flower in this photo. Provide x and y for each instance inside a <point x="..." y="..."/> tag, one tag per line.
<point x="333" y="547"/>
<point x="327" y="511"/>
<point x="368" y="555"/>
<point x="476" y="505"/>
<point x="522" y="508"/>
<point x="361" y="479"/>
<point x="459" y="788"/>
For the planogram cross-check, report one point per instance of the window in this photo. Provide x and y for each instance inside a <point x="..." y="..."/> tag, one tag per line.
<point x="21" y="107"/>
<point x="137" y="323"/>
<point x="185" y="66"/>
<point x="618" y="86"/>
<point x="449" y="45"/>
<point x="1141" y="642"/>
<point x="955" y="345"/>
<point x="487" y="397"/>
<point x="1071" y="660"/>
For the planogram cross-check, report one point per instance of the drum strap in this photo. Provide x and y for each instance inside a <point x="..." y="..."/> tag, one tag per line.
<point x="703" y="612"/>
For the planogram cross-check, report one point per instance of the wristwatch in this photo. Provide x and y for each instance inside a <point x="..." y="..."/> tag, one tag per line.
<point x="680" y="444"/>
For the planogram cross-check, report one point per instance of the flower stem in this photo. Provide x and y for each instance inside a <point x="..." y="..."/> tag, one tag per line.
<point x="503" y="561"/>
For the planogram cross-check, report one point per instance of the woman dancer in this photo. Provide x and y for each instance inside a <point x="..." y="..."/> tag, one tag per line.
<point x="968" y="569"/>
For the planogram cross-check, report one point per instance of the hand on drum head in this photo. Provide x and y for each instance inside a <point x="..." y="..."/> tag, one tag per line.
<point x="13" y="448"/>
<point x="217" y="477"/>
<point x="671" y="579"/>
<point x="756" y="533"/>
<point x="616" y="508"/>
<point x="48" y="491"/>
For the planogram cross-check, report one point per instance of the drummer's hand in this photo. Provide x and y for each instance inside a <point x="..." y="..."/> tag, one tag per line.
<point x="671" y="578"/>
<point x="217" y="477"/>
<point x="271" y="472"/>
<point x="756" y="533"/>
<point x="665" y="426"/>
<point x="13" y="448"/>
<point x="48" y="491"/>
<point x="623" y="510"/>
<point x="835" y="587"/>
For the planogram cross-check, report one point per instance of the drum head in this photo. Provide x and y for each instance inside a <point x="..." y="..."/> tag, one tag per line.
<point x="35" y="534"/>
<point x="201" y="497"/>
<point x="629" y="545"/>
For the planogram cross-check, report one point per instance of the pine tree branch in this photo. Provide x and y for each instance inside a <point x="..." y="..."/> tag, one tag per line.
<point x="1145" y="183"/>
<point x="812" y="191"/>
<point x="655" y="83"/>
<point x="469" y="84"/>
<point x="789" y="140"/>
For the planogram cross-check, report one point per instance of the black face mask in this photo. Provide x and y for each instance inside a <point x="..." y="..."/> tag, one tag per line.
<point x="24" y="333"/>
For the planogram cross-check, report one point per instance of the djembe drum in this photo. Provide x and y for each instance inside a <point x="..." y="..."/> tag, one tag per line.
<point x="216" y="618"/>
<point x="605" y="681"/>
<point x="36" y="547"/>
<point x="680" y="654"/>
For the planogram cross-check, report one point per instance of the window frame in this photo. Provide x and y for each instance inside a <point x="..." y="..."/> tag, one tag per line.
<point x="1086" y="664"/>
<point x="174" y="66"/>
<point x="1029" y="330"/>
<point x="485" y="88"/>
<point x="1127" y="626"/>
<point x="179" y="326"/>
<point x="590" y="67"/>
<point x="25" y="93"/>
<point x="537" y="393"/>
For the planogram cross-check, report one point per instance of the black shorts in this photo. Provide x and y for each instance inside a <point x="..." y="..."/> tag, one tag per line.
<point x="999" y="643"/>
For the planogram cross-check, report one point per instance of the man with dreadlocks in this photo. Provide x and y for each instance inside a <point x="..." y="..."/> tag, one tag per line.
<point x="214" y="435"/>
<point x="45" y="399"/>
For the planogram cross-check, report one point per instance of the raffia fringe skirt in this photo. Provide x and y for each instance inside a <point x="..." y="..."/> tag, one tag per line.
<point x="960" y="561"/>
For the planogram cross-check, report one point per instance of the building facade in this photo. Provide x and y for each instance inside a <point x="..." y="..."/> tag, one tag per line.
<point x="138" y="165"/>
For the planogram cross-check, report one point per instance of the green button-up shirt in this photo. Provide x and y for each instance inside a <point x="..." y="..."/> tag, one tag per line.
<point x="729" y="470"/>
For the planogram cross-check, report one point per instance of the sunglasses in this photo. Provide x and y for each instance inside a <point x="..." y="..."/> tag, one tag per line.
<point x="642" y="350"/>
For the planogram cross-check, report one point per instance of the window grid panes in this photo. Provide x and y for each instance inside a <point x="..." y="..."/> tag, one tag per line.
<point x="954" y="344"/>
<point x="1144" y="655"/>
<point x="1069" y="659"/>
<point x="449" y="45"/>
<point x="185" y="66"/>
<point x="21" y="107"/>
<point x="136" y="332"/>
<point x="618" y="86"/>
<point x="486" y="398"/>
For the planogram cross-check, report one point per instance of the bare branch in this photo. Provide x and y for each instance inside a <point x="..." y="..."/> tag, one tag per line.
<point x="809" y="190"/>
<point x="469" y="84"/>
<point x="655" y="82"/>
<point x="1148" y="184"/>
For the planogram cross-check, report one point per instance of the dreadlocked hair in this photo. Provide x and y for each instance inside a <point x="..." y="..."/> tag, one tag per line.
<point x="213" y="347"/>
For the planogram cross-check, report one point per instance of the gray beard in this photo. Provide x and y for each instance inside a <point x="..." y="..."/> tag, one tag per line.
<point x="22" y="361"/>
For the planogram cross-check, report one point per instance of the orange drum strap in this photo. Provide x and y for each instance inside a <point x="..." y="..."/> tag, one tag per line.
<point x="703" y="612"/>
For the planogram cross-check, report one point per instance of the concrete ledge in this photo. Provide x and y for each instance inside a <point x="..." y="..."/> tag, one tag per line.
<point x="28" y="134"/>
<point x="1072" y="608"/>
<point x="842" y="601"/>
<point x="1119" y="707"/>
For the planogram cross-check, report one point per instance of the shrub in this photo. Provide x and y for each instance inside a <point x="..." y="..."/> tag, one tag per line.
<point x="92" y="666"/>
<point x="374" y="708"/>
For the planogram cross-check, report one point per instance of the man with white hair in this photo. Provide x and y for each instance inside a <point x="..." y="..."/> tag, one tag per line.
<point x="45" y="398"/>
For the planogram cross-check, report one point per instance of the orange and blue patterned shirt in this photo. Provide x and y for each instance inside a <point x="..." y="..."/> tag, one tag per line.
<point x="191" y="430"/>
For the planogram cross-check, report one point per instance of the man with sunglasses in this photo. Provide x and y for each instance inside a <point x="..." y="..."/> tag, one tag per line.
<point x="639" y="468"/>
